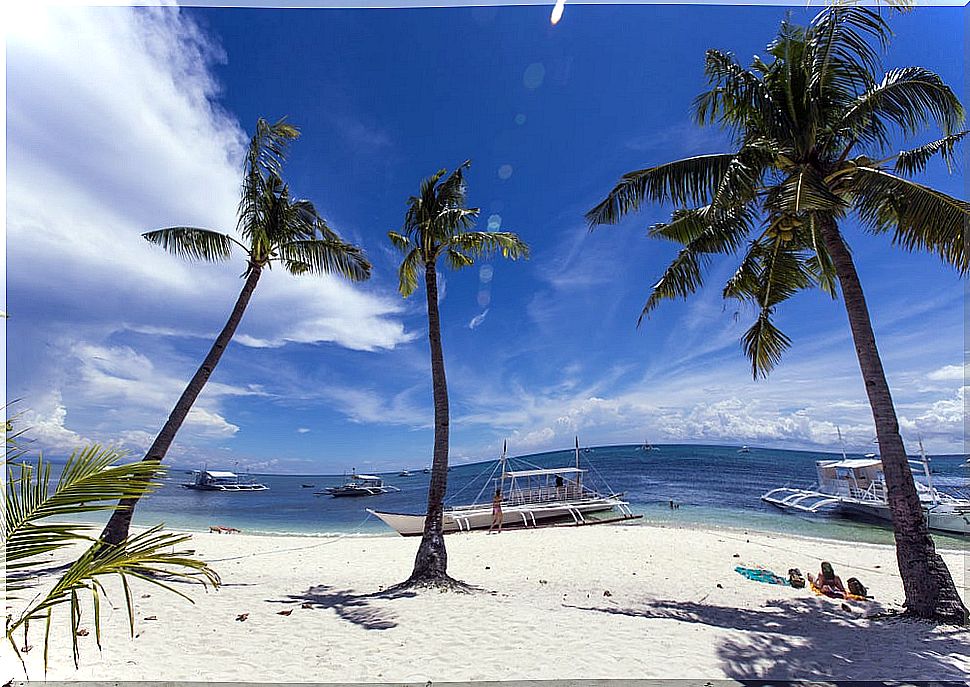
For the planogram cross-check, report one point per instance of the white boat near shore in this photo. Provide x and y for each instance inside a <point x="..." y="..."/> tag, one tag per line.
<point x="359" y="485"/>
<point x="857" y="486"/>
<point x="535" y="497"/>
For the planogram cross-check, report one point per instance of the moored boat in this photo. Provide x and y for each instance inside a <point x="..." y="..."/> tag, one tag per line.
<point x="221" y="480"/>
<point x="533" y="497"/>
<point x="359" y="485"/>
<point x="857" y="486"/>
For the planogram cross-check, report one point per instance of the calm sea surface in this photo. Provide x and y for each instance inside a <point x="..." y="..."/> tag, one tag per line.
<point x="714" y="485"/>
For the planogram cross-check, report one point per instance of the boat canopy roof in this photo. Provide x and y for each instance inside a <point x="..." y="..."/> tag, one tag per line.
<point x="219" y="473"/>
<point x="367" y="477"/>
<point x="550" y="471"/>
<point x="851" y="463"/>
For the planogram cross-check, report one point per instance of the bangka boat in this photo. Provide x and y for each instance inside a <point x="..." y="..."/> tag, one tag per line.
<point x="647" y="446"/>
<point x="858" y="486"/>
<point x="360" y="485"/>
<point x="533" y="497"/>
<point x="404" y="473"/>
<point x="744" y="449"/>
<point x="221" y="480"/>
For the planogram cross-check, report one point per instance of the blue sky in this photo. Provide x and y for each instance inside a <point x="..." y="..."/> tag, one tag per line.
<point x="121" y="120"/>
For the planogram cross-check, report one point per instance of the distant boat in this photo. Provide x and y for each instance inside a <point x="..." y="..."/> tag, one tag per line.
<point x="647" y="446"/>
<point x="404" y="473"/>
<point x="221" y="480"/>
<point x="531" y="498"/>
<point x="427" y="471"/>
<point x="307" y="486"/>
<point x="744" y="449"/>
<point x="360" y="485"/>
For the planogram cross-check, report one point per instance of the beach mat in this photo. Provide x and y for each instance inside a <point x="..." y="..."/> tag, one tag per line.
<point x="762" y="575"/>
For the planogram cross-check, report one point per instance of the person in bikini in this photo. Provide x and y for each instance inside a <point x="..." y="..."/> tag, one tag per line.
<point x="828" y="582"/>
<point x="496" y="513"/>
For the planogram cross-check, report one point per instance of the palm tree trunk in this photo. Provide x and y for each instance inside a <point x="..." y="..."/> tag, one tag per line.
<point x="431" y="562"/>
<point x="929" y="588"/>
<point x="118" y="525"/>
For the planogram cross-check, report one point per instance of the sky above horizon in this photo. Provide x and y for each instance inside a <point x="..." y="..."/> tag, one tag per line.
<point x="121" y="120"/>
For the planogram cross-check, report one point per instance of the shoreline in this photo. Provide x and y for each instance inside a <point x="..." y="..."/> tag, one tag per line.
<point x="607" y="601"/>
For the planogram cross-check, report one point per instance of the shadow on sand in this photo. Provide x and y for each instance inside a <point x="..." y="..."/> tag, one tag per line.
<point x="814" y="638"/>
<point x="348" y="605"/>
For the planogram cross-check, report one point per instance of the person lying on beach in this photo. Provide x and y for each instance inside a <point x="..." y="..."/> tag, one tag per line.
<point x="827" y="582"/>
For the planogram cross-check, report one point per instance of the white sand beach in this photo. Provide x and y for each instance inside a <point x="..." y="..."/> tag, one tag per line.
<point x="629" y="601"/>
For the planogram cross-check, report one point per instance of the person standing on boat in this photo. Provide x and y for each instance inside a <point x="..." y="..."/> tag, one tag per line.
<point x="559" y="486"/>
<point x="496" y="512"/>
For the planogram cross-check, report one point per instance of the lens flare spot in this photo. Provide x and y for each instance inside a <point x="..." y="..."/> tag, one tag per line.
<point x="505" y="171"/>
<point x="485" y="273"/>
<point x="494" y="222"/>
<point x="520" y="119"/>
<point x="533" y="76"/>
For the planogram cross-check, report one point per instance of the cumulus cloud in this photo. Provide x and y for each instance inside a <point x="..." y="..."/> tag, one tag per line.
<point x="113" y="129"/>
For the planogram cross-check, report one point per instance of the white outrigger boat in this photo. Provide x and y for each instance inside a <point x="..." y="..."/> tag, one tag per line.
<point x="857" y="486"/>
<point x="360" y="485"/>
<point x="221" y="480"/>
<point x="537" y="497"/>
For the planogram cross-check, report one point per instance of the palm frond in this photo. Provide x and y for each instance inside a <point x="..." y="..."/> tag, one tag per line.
<point x="326" y="256"/>
<point x="483" y="243"/>
<point x="914" y="161"/>
<point x="457" y="260"/>
<point x="682" y="278"/>
<point x="688" y="182"/>
<point x="408" y="272"/>
<point x="918" y="217"/>
<point x="92" y="480"/>
<point x="909" y="98"/>
<point x="191" y="243"/>
<point x="402" y="243"/>
<point x="764" y="344"/>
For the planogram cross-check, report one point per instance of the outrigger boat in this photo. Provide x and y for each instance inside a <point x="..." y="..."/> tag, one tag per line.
<point x="647" y="446"/>
<point x="858" y="486"/>
<point x="359" y="485"/>
<point x="220" y="480"/>
<point x="536" y="497"/>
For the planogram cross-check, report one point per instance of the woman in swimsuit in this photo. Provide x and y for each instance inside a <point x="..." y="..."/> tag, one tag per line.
<point x="496" y="512"/>
<point x="828" y="582"/>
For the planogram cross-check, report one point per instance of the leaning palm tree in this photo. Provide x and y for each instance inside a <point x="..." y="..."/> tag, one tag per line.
<point x="276" y="228"/>
<point x="811" y="124"/>
<point x="93" y="479"/>
<point x="438" y="224"/>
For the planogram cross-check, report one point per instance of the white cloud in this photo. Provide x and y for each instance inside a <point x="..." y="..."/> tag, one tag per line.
<point x="302" y="430"/>
<point x="948" y="373"/>
<point x="113" y="129"/>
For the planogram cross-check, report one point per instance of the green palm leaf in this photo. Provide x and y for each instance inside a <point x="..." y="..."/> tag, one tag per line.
<point x="327" y="256"/>
<point x="191" y="243"/>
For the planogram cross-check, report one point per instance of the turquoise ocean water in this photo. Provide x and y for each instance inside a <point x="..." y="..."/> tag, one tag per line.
<point x="713" y="485"/>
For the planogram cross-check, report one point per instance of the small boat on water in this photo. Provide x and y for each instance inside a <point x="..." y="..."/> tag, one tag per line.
<point x="359" y="485"/>
<point x="531" y="497"/>
<point x="427" y="471"/>
<point x="307" y="486"/>
<point x="744" y="449"/>
<point x="647" y="446"/>
<point x="404" y="473"/>
<point x="221" y="480"/>
<point x="857" y="486"/>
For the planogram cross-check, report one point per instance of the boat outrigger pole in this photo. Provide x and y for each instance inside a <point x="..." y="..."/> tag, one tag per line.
<point x="577" y="451"/>
<point x="926" y="471"/>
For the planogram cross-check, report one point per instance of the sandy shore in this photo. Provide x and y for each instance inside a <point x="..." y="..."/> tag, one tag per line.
<point x="597" y="602"/>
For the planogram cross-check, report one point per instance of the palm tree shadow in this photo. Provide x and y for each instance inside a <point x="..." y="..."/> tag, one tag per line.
<point x="800" y="639"/>
<point x="348" y="605"/>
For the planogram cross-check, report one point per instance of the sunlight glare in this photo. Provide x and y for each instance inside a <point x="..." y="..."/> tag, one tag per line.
<point x="557" y="11"/>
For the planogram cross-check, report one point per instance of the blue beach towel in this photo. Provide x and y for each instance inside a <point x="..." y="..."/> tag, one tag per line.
<point x="761" y="575"/>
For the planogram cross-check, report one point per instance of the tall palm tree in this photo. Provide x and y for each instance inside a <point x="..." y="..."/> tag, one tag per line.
<point x="276" y="228"/>
<point x="438" y="224"/>
<point x="811" y="125"/>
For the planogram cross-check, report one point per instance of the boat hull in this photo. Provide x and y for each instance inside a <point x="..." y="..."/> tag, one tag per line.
<point x="226" y="487"/>
<point x="513" y="517"/>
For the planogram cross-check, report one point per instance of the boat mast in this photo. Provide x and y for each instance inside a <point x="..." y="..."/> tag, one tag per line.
<point x="577" y="451"/>
<point x="841" y="442"/>
<point x="926" y="471"/>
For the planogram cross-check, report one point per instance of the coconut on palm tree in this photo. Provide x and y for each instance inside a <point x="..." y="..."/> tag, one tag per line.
<point x="274" y="228"/>
<point x="812" y="124"/>
<point x="438" y="224"/>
